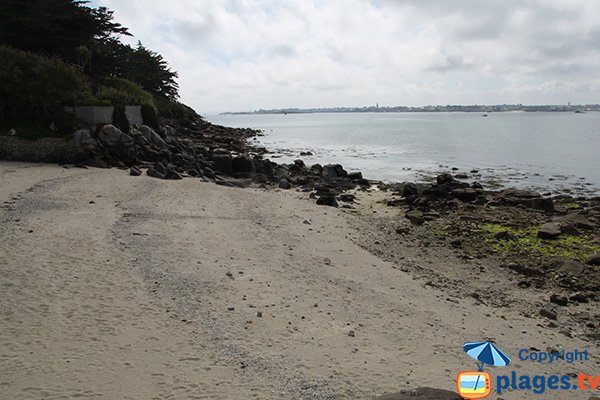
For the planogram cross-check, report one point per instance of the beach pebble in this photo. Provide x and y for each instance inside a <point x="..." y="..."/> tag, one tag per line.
<point x="559" y="299"/>
<point x="231" y="308"/>
<point x="544" y="312"/>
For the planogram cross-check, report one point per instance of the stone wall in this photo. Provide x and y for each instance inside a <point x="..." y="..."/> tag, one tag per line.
<point x="53" y="150"/>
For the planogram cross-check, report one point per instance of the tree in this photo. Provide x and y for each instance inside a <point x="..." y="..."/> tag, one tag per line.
<point x="148" y="69"/>
<point x="56" y="27"/>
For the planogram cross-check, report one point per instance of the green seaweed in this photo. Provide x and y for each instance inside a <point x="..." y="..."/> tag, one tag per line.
<point x="525" y="241"/>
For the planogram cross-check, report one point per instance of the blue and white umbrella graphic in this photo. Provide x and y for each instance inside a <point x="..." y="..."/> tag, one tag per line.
<point x="486" y="353"/>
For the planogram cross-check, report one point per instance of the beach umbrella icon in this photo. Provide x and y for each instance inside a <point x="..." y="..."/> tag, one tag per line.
<point x="486" y="353"/>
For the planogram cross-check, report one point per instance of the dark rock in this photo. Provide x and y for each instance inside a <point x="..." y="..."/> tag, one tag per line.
<point x="351" y="334"/>
<point x="461" y="176"/>
<point x="569" y="229"/>
<point x="242" y="164"/>
<point x="505" y="235"/>
<point x="402" y="230"/>
<point x="327" y="201"/>
<point x="111" y="136"/>
<point x="415" y="217"/>
<point x="423" y="393"/>
<point x="173" y="175"/>
<point x="579" y="221"/>
<point x="348" y="198"/>
<point x="568" y="267"/>
<point x="223" y="163"/>
<point x="316" y="169"/>
<point x="134" y="171"/>
<point x="284" y="184"/>
<point x="549" y="231"/>
<point x="154" y="173"/>
<point x="334" y="171"/>
<point x="355" y="176"/>
<point x="527" y="198"/>
<point x="444" y="178"/>
<point x="550" y="314"/>
<point x="306" y="153"/>
<point x="593" y="259"/>
<point x="582" y="297"/>
<point x="467" y="194"/>
<point x="559" y="299"/>
<point x="523" y="270"/>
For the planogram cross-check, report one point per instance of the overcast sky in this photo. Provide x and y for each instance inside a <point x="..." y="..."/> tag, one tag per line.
<point x="239" y="55"/>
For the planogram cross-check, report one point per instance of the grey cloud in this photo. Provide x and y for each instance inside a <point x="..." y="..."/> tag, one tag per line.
<point x="450" y="63"/>
<point x="281" y="50"/>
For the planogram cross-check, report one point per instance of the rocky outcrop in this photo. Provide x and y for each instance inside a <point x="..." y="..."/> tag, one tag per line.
<point x="527" y="198"/>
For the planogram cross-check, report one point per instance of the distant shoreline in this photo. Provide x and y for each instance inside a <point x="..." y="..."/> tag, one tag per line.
<point x="581" y="108"/>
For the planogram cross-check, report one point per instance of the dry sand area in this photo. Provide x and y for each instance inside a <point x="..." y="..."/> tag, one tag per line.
<point x="120" y="287"/>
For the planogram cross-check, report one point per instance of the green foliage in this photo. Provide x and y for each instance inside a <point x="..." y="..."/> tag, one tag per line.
<point x="173" y="109"/>
<point x="36" y="87"/>
<point x="525" y="241"/>
<point x="122" y="92"/>
<point x="30" y="130"/>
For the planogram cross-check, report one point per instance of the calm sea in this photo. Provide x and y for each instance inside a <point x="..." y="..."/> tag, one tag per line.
<point x="548" y="151"/>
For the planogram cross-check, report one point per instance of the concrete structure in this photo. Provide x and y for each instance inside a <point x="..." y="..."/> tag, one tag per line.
<point x="95" y="115"/>
<point x="134" y="114"/>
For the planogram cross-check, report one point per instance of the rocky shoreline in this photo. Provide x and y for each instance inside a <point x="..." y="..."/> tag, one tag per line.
<point x="548" y="243"/>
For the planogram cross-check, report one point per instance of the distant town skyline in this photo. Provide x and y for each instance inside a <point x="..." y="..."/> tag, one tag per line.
<point x="235" y="55"/>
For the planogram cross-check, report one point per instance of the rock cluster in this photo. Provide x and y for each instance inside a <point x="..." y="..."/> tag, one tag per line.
<point x="196" y="148"/>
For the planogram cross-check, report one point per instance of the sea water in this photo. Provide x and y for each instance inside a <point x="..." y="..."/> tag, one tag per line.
<point x="550" y="151"/>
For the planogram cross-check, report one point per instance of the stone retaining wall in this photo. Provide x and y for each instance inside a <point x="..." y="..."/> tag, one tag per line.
<point x="52" y="150"/>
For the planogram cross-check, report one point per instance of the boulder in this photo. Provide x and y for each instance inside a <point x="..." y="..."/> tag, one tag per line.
<point x="284" y="184"/>
<point x="111" y="136"/>
<point x="223" y="163"/>
<point x="242" y="164"/>
<point x="173" y="175"/>
<point x="327" y="201"/>
<point x="150" y="135"/>
<point x="549" y="231"/>
<point x="527" y="198"/>
<point x="154" y="173"/>
<point x="444" y="178"/>
<point x="334" y="171"/>
<point x="355" y="176"/>
<point x="465" y="194"/>
<point x="568" y="267"/>
<point x="415" y="217"/>
<point x="84" y="138"/>
<point x="134" y="171"/>
<point x="593" y="259"/>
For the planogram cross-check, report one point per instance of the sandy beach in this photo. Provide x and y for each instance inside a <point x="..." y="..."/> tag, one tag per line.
<point x="121" y="287"/>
